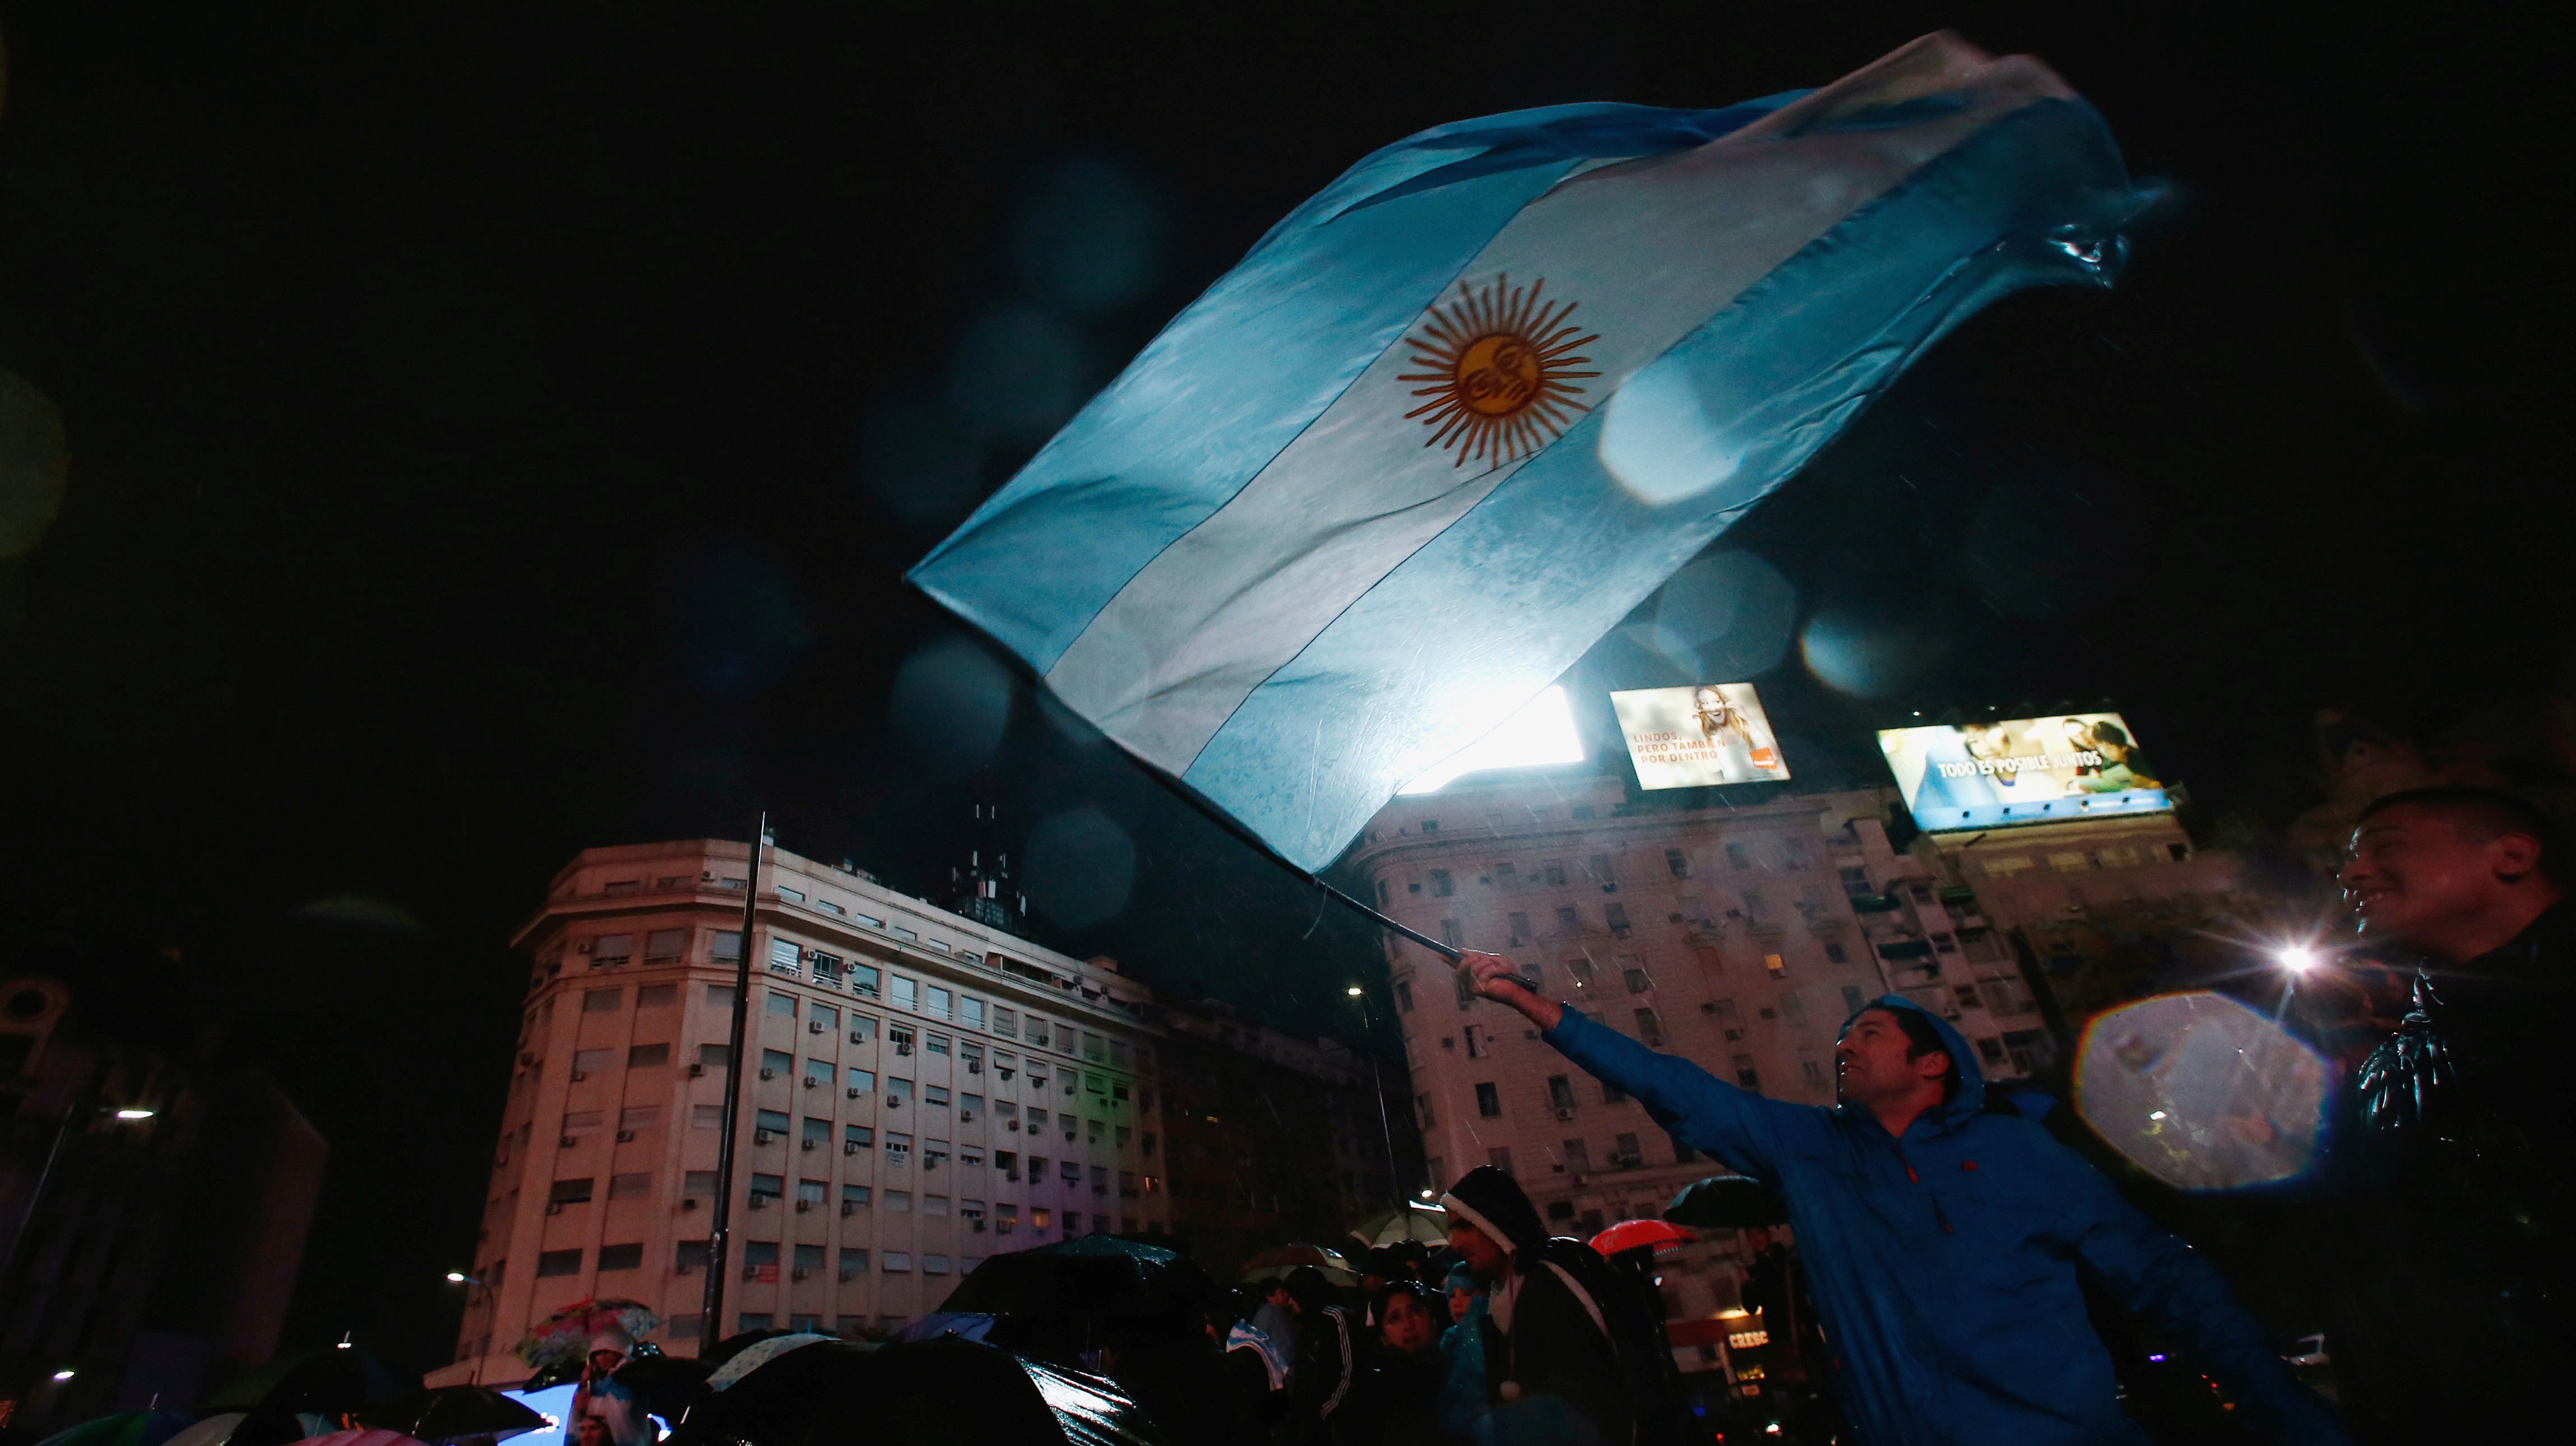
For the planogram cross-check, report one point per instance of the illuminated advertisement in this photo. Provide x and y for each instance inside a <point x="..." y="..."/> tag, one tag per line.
<point x="1696" y="736"/>
<point x="2057" y="769"/>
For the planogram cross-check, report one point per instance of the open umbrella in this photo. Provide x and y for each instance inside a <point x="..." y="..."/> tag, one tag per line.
<point x="1629" y="1234"/>
<point x="445" y="1413"/>
<point x="125" y="1428"/>
<point x="1278" y="1262"/>
<point x="331" y="1381"/>
<point x="665" y="1386"/>
<point x="1726" y="1202"/>
<point x="1428" y="1224"/>
<point x="1059" y="1301"/>
<point x="944" y="1392"/>
<point x="368" y="1436"/>
<point x="252" y="1428"/>
<point x="567" y="1332"/>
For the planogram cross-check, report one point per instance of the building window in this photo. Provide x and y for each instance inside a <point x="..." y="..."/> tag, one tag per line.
<point x="897" y="1261"/>
<point x="1452" y="935"/>
<point x="706" y="1117"/>
<point x="569" y="1192"/>
<point x="622" y="1257"/>
<point x="936" y="1043"/>
<point x="1578" y="1157"/>
<point x="770" y="1187"/>
<point x="1422" y="1111"/>
<point x="1580" y="971"/>
<point x="1520" y="927"/>
<point x="938" y="999"/>
<point x="1746" y="1076"/>
<point x="647" y="1056"/>
<point x="784" y="956"/>
<point x="1442" y="885"/>
<point x="1560" y="1091"/>
<point x="657" y="996"/>
<point x="776" y="1064"/>
<point x="898" y="1148"/>
<point x="1617" y="917"/>
<point x="689" y="1257"/>
<point x="1404" y="997"/>
<point x="1489" y="1102"/>
<point x="899" y="1201"/>
<point x="602" y="1001"/>
<point x="854" y="1262"/>
<point x="1778" y="966"/>
<point x="1836" y="954"/>
<point x="1611" y="1094"/>
<point x="558" y="1262"/>
<point x="726" y="948"/>
<point x="1815" y="1069"/>
<point x="1500" y="1157"/>
<point x="611" y="949"/>
<point x="1677" y="862"/>
<point x="1624" y="1152"/>
<point x="782" y="1005"/>
<point x="907" y="993"/>
<point x="1568" y="921"/>
<point x="628" y="1187"/>
<point x="1649" y="1028"/>
<point x="1637" y="981"/>
<point x="1738" y="857"/>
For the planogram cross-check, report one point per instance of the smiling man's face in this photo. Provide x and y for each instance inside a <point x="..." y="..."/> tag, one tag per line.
<point x="2411" y="874"/>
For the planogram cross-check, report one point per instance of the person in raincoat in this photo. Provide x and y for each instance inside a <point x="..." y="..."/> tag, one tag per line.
<point x="1943" y="1241"/>
<point x="601" y="1397"/>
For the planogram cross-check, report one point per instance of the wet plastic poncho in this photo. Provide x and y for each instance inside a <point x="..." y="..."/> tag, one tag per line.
<point x="1944" y="1262"/>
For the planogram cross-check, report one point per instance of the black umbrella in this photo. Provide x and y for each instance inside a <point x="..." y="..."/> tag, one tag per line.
<point x="1727" y="1202"/>
<point x="1059" y="1301"/>
<point x="445" y="1413"/>
<point x="333" y="1381"/>
<point x="945" y="1392"/>
<point x="666" y="1386"/>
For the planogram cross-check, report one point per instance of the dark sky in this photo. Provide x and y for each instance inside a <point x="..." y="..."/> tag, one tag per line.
<point x="501" y="430"/>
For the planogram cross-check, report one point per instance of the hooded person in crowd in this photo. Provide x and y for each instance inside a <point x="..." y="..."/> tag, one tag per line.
<point x="1327" y="1352"/>
<point x="1943" y="1242"/>
<point x="1551" y="1372"/>
<point x="602" y="1397"/>
<point x="1396" y="1400"/>
<point x="1462" y="1395"/>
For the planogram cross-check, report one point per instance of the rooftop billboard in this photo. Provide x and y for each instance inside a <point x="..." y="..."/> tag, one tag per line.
<point x="1692" y="737"/>
<point x="2056" y="769"/>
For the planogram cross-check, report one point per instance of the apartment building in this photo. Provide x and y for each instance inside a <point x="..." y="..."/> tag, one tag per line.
<point x="1737" y="936"/>
<point x="1271" y="1138"/>
<point x="920" y="1091"/>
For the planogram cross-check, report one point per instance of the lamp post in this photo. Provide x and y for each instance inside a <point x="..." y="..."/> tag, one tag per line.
<point x="458" y="1277"/>
<point x="81" y="1112"/>
<point x="1377" y="1086"/>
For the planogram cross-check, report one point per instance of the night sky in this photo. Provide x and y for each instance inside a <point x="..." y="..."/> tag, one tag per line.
<point x="497" y="431"/>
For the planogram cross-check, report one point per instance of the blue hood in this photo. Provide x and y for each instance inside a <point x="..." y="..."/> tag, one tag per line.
<point x="1971" y="1098"/>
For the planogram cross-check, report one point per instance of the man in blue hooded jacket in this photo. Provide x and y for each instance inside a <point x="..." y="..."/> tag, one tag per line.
<point x="1942" y="1241"/>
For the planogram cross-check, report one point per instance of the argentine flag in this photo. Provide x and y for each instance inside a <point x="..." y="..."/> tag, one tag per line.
<point x="1457" y="414"/>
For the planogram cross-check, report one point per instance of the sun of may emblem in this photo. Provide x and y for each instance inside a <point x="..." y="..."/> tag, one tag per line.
<point x="1499" y="371"/>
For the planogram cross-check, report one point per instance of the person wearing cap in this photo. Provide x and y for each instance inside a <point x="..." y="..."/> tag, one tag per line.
<point x="1943" y="1242"/>
<point x="1551" y="1373"/>
<point x="600" y="1396"/>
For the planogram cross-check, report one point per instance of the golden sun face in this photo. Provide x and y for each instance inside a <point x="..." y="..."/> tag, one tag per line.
<point x="1499" y="371"/>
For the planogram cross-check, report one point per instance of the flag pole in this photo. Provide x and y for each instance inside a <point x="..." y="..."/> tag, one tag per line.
<point x="1227" y="822"/>
<point x="718" y="1225"/>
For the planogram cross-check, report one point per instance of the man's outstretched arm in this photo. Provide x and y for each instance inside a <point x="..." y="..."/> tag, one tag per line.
<point x="1705" y="1111"/>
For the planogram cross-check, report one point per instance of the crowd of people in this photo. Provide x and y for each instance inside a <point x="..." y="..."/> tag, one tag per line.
<point x="1483" y="1342"/>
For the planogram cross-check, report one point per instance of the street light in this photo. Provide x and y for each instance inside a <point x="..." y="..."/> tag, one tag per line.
<point x="65" y="1374"/>
<point x="78" y="1113"/>
<point x="1377" y="1087"/>
<point x="2297" y="958"/>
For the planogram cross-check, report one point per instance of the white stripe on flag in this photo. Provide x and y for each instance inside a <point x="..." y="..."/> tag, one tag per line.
<point x="1648" y="250"/>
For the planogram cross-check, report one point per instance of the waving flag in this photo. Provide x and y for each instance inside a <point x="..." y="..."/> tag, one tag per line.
<point x="1456" y="415"/>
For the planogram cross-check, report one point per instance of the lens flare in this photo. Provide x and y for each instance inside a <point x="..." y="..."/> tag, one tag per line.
<point x="2202" y="1092"/>
<point x="2297" y="958"/>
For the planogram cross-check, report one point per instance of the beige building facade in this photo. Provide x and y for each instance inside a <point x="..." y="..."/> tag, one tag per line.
<point x="919" y="1092"/>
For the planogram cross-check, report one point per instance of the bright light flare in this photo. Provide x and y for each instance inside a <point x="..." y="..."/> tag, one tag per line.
<point x="1353" y="991"/>
<point x="65" y="1374"/>
<point x="135" y="1113"/>
<point x="456" y="1277"/>
<point x="1541" y="732"/>
<point x="2297" y="958"/>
